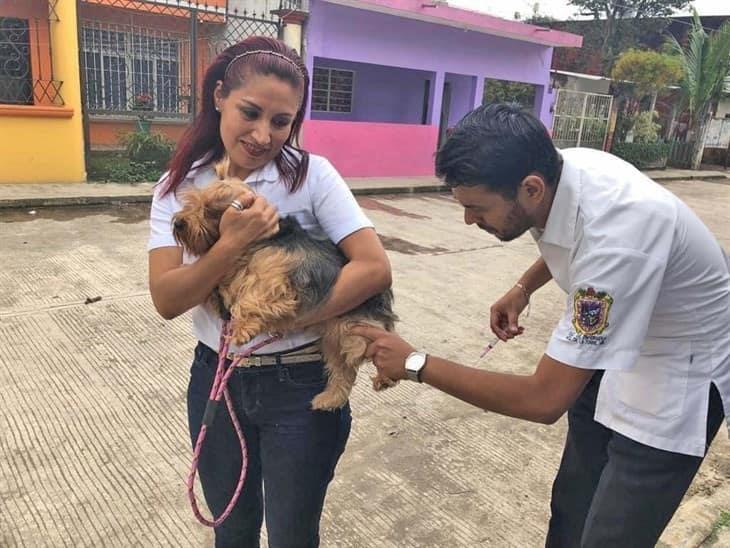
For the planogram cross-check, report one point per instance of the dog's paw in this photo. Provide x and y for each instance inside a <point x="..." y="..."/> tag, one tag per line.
<point x="381" y="383"/>
<point x="328" y="401"/>
<point x="240" y="335"/>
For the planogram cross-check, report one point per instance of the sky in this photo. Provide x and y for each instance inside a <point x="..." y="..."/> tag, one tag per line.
<point x="560" y="9"/>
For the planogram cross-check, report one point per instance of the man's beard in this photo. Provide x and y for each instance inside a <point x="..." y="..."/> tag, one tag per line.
<point x="517" y="222"/>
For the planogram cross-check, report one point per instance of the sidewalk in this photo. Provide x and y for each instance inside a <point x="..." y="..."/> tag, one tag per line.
<point x="18" y="196"/>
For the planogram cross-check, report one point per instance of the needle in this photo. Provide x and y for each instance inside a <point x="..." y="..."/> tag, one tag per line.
<point x="488" y="348"/>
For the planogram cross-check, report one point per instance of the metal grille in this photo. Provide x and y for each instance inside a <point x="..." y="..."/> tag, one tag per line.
<point x="132" y="69"/>
<point x="26" y="68"/>
<point x="238" y="26"/>
<point x="581" y="119"/>
<point x="133" y="66"/>
<point x="332" y="90"/>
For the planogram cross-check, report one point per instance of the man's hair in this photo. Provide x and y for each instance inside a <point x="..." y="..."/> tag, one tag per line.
<point x="497" y="146"/>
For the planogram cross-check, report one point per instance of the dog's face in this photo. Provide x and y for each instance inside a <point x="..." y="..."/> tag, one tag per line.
<point x="196" y="225"/>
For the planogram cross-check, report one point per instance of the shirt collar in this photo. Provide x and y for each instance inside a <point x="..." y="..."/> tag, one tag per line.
<point x="266" y="174"/>
<point x="560" y="226"/>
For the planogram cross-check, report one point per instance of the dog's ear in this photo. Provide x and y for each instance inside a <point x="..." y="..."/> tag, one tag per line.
<point x="222" y="167"/>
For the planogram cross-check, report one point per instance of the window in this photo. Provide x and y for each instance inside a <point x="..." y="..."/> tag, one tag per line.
<point x="332" y="90"/>
<point x="16" y="82"/>
<point x="130" y="70"/>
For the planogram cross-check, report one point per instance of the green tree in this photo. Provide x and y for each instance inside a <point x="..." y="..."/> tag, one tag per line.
<point x="706" y="63"/>
<point x="649" y="71"/>
<point x="505" y="91"/>
<point x="617" y="15"/>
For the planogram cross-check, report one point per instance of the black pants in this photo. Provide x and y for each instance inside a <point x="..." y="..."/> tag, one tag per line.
<point x="612" y="491"/>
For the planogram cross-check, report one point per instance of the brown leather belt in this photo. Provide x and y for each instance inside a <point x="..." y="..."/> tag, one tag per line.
<point x="306" y="354"/>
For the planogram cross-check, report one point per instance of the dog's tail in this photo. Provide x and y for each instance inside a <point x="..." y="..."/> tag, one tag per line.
<point x="221" y="168"/>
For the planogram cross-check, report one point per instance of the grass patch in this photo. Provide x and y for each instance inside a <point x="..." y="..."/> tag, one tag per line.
<point x="116" y="167"/>
<point x="723" y="522"/>
<point x="144" y="159"/>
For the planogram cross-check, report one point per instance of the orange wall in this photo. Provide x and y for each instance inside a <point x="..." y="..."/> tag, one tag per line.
<point x="106" y="134"/>
<point x="150" y="7"/>
<point x="157" y="20"/>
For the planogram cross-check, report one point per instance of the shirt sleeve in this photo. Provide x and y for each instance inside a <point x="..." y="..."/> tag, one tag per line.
<point x="334" y="205"/>
<point x="609" y="306"/>
<point x="161" y="212"/>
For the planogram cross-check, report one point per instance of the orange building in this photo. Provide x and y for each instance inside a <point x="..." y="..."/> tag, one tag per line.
<point x="138" y="66"/>
<point x="41" y="136"/>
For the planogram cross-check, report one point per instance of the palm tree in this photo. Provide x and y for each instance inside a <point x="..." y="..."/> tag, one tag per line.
<point x="706" y="63"/>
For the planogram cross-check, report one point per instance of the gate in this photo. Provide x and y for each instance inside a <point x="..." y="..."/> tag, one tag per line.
<point x="148" y="55"/>
<point x="581" y="119"/>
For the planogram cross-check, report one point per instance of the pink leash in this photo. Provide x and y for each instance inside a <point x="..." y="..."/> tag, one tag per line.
<point x="219" y="390"/>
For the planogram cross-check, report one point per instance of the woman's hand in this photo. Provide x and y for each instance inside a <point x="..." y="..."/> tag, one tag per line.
<point x="257" y="220"/>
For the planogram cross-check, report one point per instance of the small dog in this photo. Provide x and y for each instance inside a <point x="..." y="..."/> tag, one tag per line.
<point x="278" y="279"/>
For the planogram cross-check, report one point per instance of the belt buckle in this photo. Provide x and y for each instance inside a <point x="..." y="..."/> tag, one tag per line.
<point x="250" y="361"/>
<point x="253" y="361"/>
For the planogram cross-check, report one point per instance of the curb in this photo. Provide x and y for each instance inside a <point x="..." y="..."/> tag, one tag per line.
<point x="694" y="522"/>
<point x="24" y="203"/>
<point x="713" y="178"/>
<point x="66" y="201"/>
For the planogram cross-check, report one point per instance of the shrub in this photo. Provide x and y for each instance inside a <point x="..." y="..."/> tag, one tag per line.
<point x="643" y="155"/>
<point x="645" y="129"/>
<point x="117" y="168"/>
<point x="143" y="147"/>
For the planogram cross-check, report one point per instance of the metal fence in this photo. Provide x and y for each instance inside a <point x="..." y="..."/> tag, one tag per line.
<point x="718" y="133"/>
<point x="680" y="154"/>
<point x="26" y="64"/>
<point x="581" y="119"/>
<point x="145" y="56"/>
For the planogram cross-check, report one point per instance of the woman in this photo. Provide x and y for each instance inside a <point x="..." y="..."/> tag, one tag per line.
<point x="253" y="103"/>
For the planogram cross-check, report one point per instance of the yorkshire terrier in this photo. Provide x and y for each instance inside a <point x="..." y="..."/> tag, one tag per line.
<point x="277" y="280"/>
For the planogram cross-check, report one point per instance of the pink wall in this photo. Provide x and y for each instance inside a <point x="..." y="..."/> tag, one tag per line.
<point x="363" y="149"/>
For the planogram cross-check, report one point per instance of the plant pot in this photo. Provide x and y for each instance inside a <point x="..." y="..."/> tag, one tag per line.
<point x="144" y="125"/>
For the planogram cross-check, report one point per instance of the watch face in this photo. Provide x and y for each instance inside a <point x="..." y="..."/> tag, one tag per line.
<point x="415" y="361"/>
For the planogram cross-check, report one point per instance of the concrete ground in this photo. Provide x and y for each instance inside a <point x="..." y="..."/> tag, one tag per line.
<point x="94" y="448"/>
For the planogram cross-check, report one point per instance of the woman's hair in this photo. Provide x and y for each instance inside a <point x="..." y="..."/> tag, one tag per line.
<point x="202" y="140"/>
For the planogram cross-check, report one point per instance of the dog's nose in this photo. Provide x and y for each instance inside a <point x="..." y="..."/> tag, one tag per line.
<point x="178" y="224"/>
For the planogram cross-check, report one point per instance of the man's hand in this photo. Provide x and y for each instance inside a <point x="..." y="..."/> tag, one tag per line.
<point x="505" y="313"/>
<point x="387" y="350"/>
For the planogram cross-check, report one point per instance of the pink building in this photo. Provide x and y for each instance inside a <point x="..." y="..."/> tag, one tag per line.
<point x="389" y="77"/>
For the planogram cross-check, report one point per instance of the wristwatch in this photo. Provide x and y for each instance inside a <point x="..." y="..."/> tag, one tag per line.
<point x="415" y="362"/>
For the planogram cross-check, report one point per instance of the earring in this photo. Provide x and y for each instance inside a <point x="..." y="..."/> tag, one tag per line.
<point x="217" y="108"/>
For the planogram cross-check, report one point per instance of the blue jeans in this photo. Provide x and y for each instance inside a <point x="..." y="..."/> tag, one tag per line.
<point x="292" y="451"/>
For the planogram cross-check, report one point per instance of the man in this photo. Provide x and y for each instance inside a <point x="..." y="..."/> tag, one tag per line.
<point x="640" y="359"/>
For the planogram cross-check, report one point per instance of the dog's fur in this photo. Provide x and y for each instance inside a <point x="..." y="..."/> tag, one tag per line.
<point x="278" y="279"/>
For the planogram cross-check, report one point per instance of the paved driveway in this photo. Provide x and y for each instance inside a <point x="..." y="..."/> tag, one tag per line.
<point x="93" y="439"/>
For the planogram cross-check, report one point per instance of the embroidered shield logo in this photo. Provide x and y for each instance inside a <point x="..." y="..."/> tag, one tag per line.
<point x="590" y="311"/>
